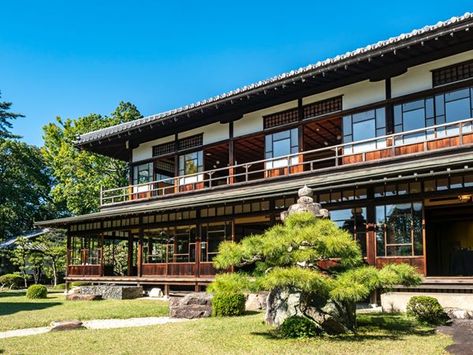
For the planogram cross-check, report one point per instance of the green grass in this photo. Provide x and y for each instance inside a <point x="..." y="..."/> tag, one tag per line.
<point x="16" y="311"/>
<point x="377" y="334"/>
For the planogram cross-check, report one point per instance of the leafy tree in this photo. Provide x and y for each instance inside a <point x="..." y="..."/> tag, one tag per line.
<point x="24" y="188"/>
<point x="311" y="257"/>
<point x="79" y="174"/>
<point x="19" y="257"/>
<point x="5" y="119"/>
<point x="53" y="247"/>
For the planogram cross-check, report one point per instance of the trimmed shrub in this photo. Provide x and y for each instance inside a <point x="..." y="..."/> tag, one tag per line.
<point x="426" y="309"/>
<point x="59" y="287"/>
<point x="12" y="281"/>
<point x="79" y="283"/>
<point x="37" y="291"/>
<point x="298" y="327"/>
<point x="228" y="304"/>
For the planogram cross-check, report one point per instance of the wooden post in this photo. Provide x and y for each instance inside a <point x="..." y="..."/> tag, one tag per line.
<point x="130" y="253"/>
<point x="176" y="163"/>
<point x="139" y="261"/>
<point x="231" y="154"/>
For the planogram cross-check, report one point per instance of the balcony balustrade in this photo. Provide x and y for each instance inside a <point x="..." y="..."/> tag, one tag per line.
<point x="418" y="141"/>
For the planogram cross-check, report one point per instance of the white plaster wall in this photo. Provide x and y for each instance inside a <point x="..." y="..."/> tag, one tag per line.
<point x="397" y="301"/>
<point x="252" y="122"/>
<point x="145" y="150"/>
<point x="354" y="95"/>
<point x="419" y="78"/>
<point x="214" y="132"/>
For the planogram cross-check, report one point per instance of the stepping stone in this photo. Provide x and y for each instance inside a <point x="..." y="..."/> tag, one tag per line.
<point x="83" y="297"/>
<point x="65" y="325"/>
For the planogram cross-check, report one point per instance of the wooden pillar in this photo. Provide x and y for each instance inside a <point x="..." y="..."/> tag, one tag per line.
<point x="68" y="254"/>
<point x="139" y="257"/>
<point x="130" y="252"/>
<point x="176" y="163"/>
<point x="371" y="229"/>
<point x="300" y="132"/>
<point x="197" y="245"/>
<point x="389" y="108"/>
<point x="231" y="154"/>
<point x="102" y="238"/>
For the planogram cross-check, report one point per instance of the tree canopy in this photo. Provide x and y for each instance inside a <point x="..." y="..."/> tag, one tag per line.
<point x="24" y="188"/>
<point x="6" y="116"/>
<point x="79" y="174"/>
<point x="308" y="255"/>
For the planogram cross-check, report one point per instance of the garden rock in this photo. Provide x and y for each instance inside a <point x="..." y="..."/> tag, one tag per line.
<point x="282" y="304"/>
<point x="155" y="292"/>
<point x="256" y="301"/>
<point x="81" y="297"/>
<point x="285" y="303"/>
<point x="193" y="305"/>
<point x="113" y="292"/>
<point x="65" y="325"/>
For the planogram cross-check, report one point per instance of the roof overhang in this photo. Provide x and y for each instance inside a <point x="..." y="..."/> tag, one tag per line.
<point x="368" y="173"/>
<point x="375" y="62"/>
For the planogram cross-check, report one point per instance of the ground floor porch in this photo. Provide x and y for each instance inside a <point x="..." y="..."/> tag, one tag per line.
<point x="420" y="217"/>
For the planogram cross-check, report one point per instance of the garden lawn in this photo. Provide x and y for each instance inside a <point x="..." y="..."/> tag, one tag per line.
<point x="16" y="311"/>
<point x="377" y="334"/>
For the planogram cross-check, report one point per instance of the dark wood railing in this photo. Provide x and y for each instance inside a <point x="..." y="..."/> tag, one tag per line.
<point x="419" y="141"/>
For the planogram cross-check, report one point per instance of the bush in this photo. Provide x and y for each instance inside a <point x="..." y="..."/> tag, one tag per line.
<point x="13" y="281"/>
<point x="298" y="327"/>
<point x="228" y="304"/>
<point x="37" y="291"/>
<point x="59" y="287"/>
<point x="426" y="309"/>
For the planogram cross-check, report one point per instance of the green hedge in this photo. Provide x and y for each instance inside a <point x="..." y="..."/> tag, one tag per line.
<point x="59" y="287"/>
<point x="228" y="304"/>
<point x="298" y="327"/>
<point x="37" y="291"/>
<point x="13" y="281"/>
<point x="426" y="309"/>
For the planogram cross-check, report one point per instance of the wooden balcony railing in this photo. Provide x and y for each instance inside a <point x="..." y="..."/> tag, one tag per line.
<point x="418" y="141"/>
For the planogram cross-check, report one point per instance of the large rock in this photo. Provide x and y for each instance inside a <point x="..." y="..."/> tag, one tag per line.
<point x="282" y="304"/>
<point x="113" y="291"/>
<point x="331" y="317"/>
<point x="256" y="301"/>
<point x="81" y="297"/>
<point x="65" y="325"/>
<point x="155" y="292"/>
<point x="192" y="305"/>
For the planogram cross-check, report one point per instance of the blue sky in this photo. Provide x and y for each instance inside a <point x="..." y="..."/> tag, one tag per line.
<point x="72" y="58"/>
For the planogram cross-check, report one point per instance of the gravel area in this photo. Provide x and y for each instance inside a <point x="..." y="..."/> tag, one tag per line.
<point x="97" y="324"/>
<point x="462" y="332"/>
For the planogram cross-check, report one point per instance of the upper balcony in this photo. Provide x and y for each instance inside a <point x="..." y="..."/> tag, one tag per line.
<point x="383" y="148"/>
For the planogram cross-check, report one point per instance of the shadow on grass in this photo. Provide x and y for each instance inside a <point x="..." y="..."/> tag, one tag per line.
<point x="7" y="308"/>
<point x="373" y="327"/>
<point x="12" y="293"/>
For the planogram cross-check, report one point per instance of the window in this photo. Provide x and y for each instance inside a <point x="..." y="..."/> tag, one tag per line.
<point x="191" y="164"/>
<point x="142" y="173"/>
<point x="282" y="144"/>
<point x="354" y="221"/>
<point x="399" y="229"/>
<point x="413" y="115"/>
<point x="452" y="73"/>
<point x="281" y="118"/>
<point x="212" y="236"/>
<point x="323" y="107"/>
<point x="362" y="126"/>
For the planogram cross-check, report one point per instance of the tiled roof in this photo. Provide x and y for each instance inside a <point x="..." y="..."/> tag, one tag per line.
<point x="319" y="66"/>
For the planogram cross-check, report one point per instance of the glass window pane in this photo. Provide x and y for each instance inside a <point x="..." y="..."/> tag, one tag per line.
<point x="458" y="110"/>
<point x="414" y="119"/>
<point x="363" y="116"/>
<point x="280" y="135"/>
<point x="364" y="130"/>
<point x="439" y="103"/>
<point x="346" y="125"/>
<point x="397" y="114"/>
<point x="282" y="147"/>
<point x="457" y="94"/>
<point x="380" y="118"/>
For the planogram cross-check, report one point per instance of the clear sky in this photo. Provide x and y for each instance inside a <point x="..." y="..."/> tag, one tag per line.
<point x="72" y="58"/>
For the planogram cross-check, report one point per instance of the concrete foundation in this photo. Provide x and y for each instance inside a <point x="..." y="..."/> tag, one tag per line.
<point x="452" y="302"/>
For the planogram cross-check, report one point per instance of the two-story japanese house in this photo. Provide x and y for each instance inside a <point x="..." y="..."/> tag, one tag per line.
<point x="383" y="135"/>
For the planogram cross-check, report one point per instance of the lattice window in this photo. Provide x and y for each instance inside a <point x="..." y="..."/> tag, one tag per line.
<point x="163" y="149"/>
<point x="452" y="73"/>
<point x="190" y="142"/>
<point x="281" y="118"/>
<point x="165" y="166"/>
<point x="323" y="107"/>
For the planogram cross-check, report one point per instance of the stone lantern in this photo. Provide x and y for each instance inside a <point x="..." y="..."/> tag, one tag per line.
<point x="305" y="203"/>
